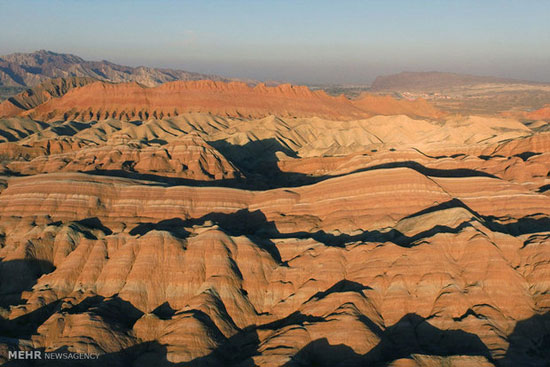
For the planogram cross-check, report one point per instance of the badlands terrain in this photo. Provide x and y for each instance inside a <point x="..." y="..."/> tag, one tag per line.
<point x="204" y="223"/>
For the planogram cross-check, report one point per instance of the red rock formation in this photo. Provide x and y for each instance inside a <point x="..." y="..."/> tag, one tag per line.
<point x="8" y="108"/>
<point x="188" y="158"/>
<point x="131" y="101"/>
<point x="52" y="88"/>
<point x="386" y="105"/>
<point x="540" y="114"/>
<point x="207" y="240"/>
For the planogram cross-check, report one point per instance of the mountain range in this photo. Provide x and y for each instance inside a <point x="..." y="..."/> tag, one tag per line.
<point x="31" y="69"/>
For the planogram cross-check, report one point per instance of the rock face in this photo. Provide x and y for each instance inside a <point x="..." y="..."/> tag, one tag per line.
<point x="265" y="233"/>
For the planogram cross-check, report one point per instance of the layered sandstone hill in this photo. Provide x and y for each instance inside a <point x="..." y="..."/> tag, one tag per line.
<point x="205" y="239"/>
<point x="100" y="101"/>
<point x="538" y="119"/>
<point x="52" y="88"/>
<point x="540" y="114"/>
<point x="387" y="105"/>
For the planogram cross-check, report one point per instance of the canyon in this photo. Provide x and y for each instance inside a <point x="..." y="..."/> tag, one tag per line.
<point x="213" y="223"/>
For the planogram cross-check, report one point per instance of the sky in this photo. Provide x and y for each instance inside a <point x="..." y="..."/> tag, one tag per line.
<point x="313" y="42"/>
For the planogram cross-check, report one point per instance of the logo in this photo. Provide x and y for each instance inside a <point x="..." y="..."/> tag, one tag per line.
<point x="37" y="354"/>
<point x="25" y="354"/>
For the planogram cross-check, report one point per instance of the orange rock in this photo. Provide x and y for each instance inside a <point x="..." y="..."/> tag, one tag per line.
<point x="540" y="114"/>
<point x="131" y="101"/>
<point x="205" y="240"/>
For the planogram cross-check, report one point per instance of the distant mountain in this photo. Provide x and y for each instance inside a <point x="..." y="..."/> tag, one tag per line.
<point x="433" y="80"/>
<point x="31" y="69"/>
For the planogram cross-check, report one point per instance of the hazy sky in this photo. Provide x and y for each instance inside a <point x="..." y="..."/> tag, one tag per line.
<point x="298" y="41"/>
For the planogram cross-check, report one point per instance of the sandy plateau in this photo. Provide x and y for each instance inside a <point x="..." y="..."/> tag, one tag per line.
<point x="207" y="223"/>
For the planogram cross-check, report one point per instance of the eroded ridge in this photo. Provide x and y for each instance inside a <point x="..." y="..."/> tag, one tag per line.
<point x="213" y="239"/>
